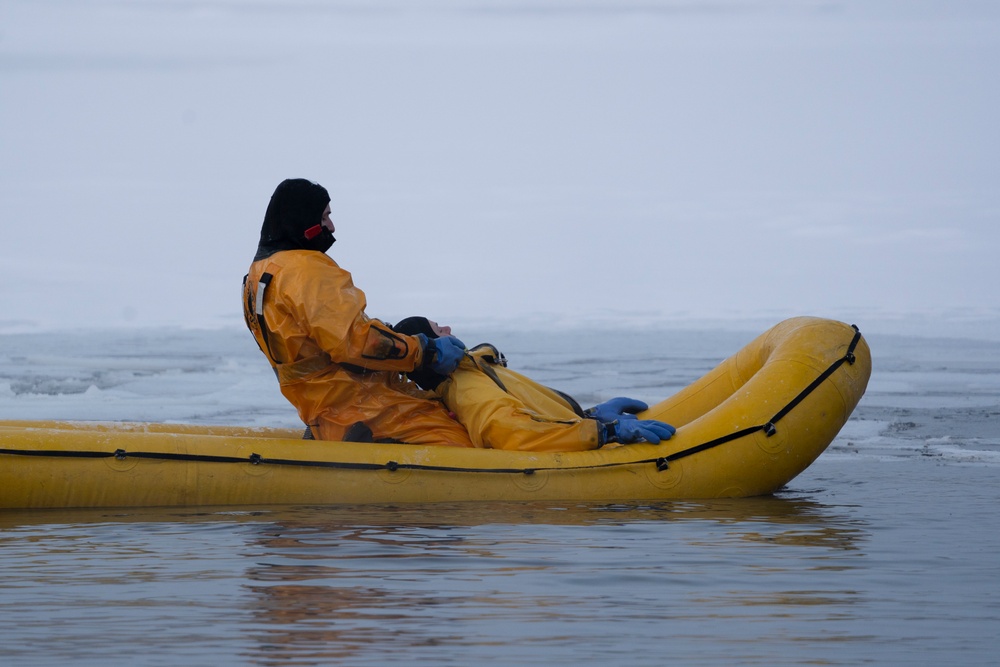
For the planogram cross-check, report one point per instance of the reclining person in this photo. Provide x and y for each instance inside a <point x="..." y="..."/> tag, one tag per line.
<point x="502" y="409"/>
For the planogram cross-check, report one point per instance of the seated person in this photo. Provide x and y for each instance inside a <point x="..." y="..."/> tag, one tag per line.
<point x="502" y="409"/>
<point x="335" y="364"/>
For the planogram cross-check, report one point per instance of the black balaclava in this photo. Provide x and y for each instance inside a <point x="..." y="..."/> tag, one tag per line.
<point x="411" y="326"/>
<point x="293" y="219"/>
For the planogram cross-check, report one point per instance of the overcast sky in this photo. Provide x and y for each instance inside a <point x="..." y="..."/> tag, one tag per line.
<point x="505" y="160"/>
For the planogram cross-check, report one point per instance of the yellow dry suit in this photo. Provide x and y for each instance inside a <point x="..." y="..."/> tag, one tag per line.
<point x="502" y="409"/>
<point x="336" y="365"/>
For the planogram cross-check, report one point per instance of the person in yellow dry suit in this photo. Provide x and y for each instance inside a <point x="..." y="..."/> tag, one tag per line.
<point x="340" y="368"/>
<point x="502" y="409"/>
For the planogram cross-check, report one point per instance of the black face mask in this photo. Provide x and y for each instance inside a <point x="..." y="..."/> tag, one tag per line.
<point x="293" y="220"/>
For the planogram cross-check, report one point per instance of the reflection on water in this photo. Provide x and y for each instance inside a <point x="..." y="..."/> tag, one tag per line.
<point x="460" y="576"/>
<point x="442" y="584"/>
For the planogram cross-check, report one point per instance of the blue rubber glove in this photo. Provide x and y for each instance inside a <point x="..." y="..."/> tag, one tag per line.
<point x="638" y="430"/>
<point x="442" y="355"/>
<point x="617" y="408"/>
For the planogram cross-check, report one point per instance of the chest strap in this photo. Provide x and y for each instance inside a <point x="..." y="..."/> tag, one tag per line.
<point x="265" y="333"/>
<point x="253" y="313"/>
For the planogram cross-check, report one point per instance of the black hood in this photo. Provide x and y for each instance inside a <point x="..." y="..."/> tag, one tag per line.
<point x="293" y="217"/>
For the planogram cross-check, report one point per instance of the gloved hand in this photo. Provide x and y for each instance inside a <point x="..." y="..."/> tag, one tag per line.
<point x="442" y="355"/>
<point x="617" y="408"/>
<point x="630" y="431"/>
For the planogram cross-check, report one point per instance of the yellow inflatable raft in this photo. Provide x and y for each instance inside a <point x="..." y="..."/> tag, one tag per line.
<point x="744" y="429"/>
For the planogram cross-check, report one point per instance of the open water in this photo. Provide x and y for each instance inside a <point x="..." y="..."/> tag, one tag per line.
<point x="883" y="552"/>
<point x="721" y="157"/>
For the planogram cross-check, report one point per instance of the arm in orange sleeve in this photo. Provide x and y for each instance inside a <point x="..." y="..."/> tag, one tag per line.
<point x="331" y="309"/>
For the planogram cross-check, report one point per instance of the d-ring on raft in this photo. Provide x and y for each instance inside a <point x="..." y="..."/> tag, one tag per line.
<point x="745" y="429"/>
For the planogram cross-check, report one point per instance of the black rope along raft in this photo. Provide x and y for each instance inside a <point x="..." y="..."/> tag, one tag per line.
<point x="662" y="463"/>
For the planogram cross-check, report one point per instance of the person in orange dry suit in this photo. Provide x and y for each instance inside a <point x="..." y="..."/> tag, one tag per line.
<point x="502" y="409"/>
<point x="340" y="368"/>
<point x="343" y="371"/>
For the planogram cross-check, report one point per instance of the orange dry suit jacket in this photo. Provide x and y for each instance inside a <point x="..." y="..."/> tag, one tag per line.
<point x="336" y="365"/>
